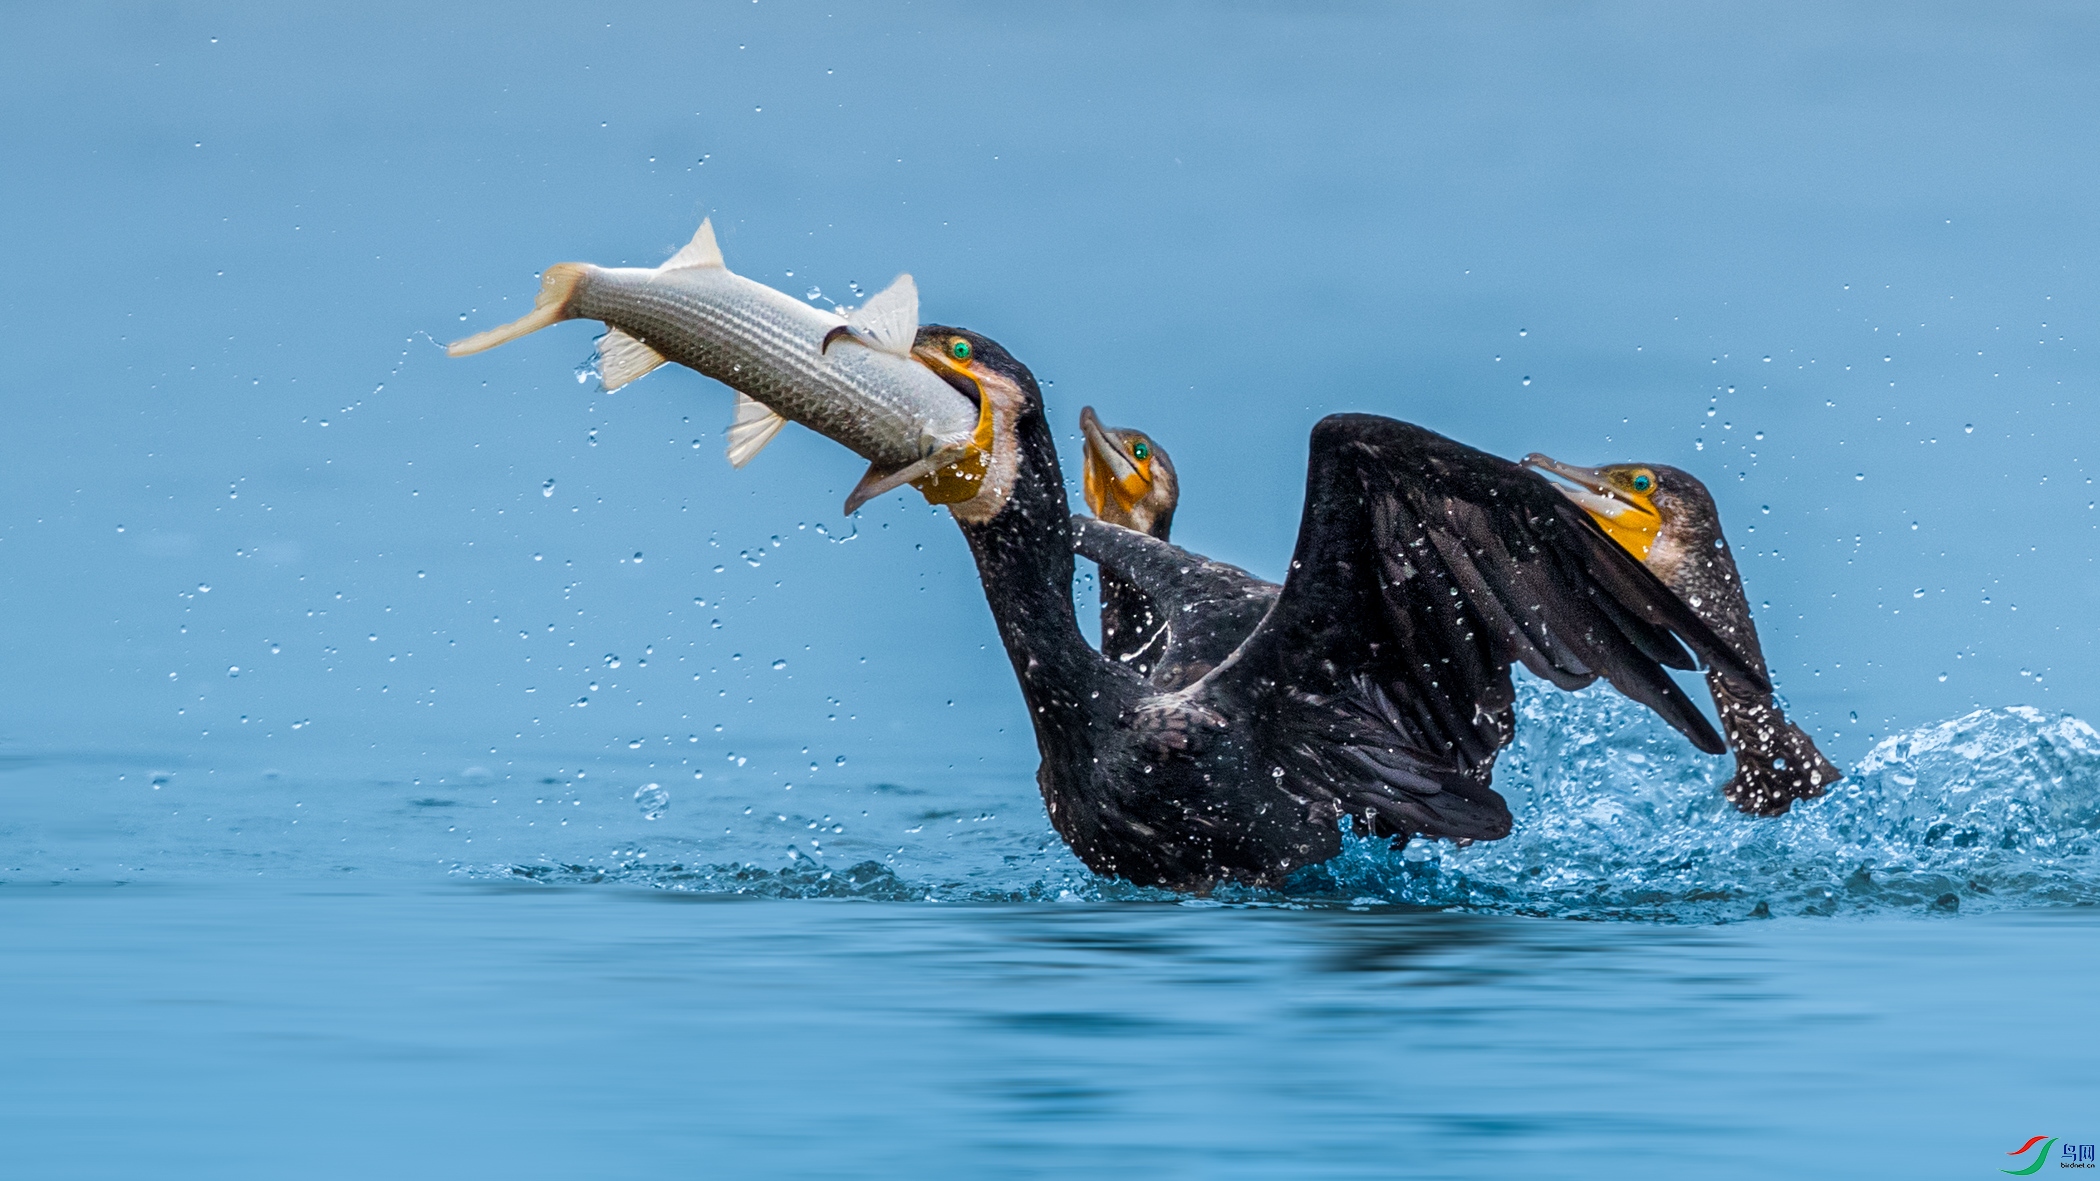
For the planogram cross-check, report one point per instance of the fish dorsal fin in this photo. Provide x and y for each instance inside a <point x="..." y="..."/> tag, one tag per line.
<point x="753" y="427"/>
<point x="622" y="358"/>
<point x="700" y="252"/>
<point x="889" y="321"/>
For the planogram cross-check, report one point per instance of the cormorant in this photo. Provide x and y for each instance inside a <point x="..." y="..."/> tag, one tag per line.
<point x="1129" y="481"/>
<point x="1217" y="606"/>
<point x="1665" y="517"/>
<point x="1376" y="687"/>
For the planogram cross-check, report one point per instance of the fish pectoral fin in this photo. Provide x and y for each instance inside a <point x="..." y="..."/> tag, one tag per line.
<point x="888" y="322"/>
<point x="700" y="252"/>
<point x="877" y="481"/>
<point x="753" y="427"/>
<point x="622" y="358"/>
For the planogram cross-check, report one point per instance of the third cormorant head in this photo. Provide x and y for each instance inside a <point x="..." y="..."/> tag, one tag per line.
<point x="1661" y="513"/>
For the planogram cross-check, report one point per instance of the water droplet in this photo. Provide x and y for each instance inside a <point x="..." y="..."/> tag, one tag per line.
<point x="234" y="671"/>
<point x="1527" y="381"/>
<point x="203" y="589"/>
<point x="547" y="489"/>
<point x="1969" y="429"/>
<point x="611" y="661"/>
<point x="814" y="293"/>
<point x="779" y="665"/>
<point x="1859" y="475"/>
<point x="653" y="799"/>
<point x="1523" y="332"/>
<point x="638" y="555"/>
<point x="1918" y="593"/>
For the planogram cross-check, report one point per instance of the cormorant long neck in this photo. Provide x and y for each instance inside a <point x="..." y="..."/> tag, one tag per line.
<point x="1024" y="558"/>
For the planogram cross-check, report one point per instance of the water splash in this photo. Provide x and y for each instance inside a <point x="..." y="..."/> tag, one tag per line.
<point x="1617" y="818"/>
<point x="653" y="800"/>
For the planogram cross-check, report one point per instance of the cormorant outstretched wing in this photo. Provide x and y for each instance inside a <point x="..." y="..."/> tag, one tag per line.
<point x="1423" y="569"/>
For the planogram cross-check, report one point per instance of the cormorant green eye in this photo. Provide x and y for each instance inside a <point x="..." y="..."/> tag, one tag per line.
<point x="959" y="349"/>
<point x="1141" y="449"/>
<point x="1643" y="482"/>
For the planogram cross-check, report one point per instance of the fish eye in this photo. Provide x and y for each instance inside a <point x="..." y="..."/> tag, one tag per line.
<point x="1643" y="482"/>
<point x="1141" y="449"/>
<point x="959" y="349"/>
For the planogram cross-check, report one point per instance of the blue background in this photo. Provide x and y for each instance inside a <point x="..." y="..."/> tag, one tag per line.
<point x="286" y="592"/>
<point x="229" y="227"/>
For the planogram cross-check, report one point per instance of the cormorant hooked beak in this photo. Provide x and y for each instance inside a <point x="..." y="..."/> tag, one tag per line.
<point x="1619" y="497"/>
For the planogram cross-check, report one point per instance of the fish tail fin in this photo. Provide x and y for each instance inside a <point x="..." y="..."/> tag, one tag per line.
<point x="1776" y="762"/>
<point x="557" y="290"/>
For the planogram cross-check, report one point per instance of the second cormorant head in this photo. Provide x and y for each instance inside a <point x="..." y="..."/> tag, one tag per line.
<point x="1129" y="478"/>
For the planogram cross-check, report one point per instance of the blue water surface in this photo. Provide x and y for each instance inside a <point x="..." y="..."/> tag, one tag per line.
<point x="419" y="767"/>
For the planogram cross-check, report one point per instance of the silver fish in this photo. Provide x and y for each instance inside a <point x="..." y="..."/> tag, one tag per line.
<point x="849" y="378"/>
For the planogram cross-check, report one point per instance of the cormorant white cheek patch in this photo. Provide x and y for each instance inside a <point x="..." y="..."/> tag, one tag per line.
<point x="1005" y="462"/>
<point x="1665" y="555"/>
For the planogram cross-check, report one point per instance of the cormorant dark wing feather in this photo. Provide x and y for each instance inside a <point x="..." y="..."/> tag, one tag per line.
<point x="1423" y="569"/>
<point x="1209" y="608"/>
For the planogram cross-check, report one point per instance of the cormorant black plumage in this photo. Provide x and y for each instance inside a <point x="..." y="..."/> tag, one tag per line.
<point x="1376" y="686"/>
